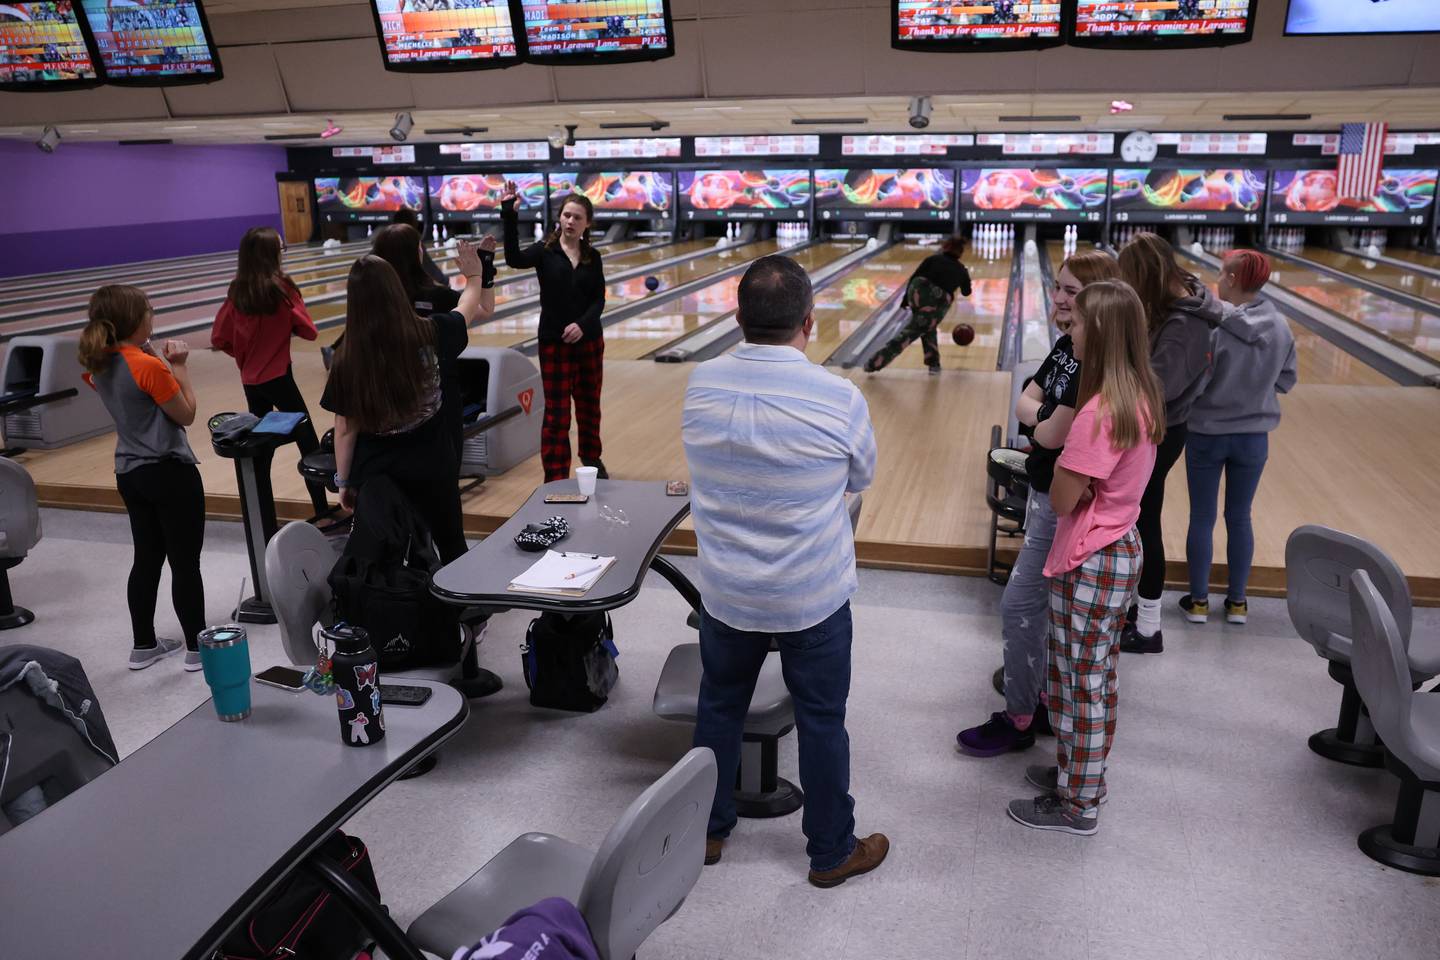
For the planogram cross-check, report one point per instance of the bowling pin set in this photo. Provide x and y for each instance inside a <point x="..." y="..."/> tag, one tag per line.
<point x="791" y="233"/>
<point x="993" y="240"/>
<point x="1216" y="238"/>
<point x="1119" y="236"/>
<point x="1365" y="239"/>
<point x="1072" y="239"/>
<point x="1290" y="238"/>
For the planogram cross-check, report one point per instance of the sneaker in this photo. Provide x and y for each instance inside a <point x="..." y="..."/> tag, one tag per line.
<point x="1196" y="611"/>
<point x="868" y="854"/>
<point x="996" y="736"/>
<point x="1048" y="779"/>
<point x="1048" y="813"/>
<point x="714" y="846"/>
<point x="600" y="472"/>
<point x="1236" y="611"/>
<point x="998" y="680"/>
<point x="1040" y="726"/>
<point x="192" y="661"/>
<point x="1131" y="641"/>
<point x="935" y="370"/>
<point x="142" y="657"/>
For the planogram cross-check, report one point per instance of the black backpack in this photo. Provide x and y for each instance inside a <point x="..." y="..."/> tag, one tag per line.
<point x="382" y="583"/>
<point x="301" y="918"/>
<point x="569" y="661"/>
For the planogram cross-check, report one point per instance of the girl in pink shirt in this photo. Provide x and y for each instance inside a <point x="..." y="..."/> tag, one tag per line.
<point x="1094" y="562"/>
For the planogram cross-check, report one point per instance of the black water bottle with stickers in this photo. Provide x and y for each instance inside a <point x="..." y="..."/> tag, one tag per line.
<point x="356" y="670"/>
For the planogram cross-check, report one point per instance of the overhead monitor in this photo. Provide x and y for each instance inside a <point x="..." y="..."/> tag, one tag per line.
<point x="422" y="36"/>
<point x="1046" y="194"/>
<point x="1319" y="17"/>
<point x="1153" y="195"/>
<point x="367" y="199"/>
<point x="1404" y="198"/>
<point x="1162" y="24"/>
<point x="975" y="24"/>
<point x="925" y="193"/>
<point x="468" y="197"/>
<point x="598" y="31"/>
<point x="745" y="194"/>
<point x="153" y="42"/>
<point x="43" y="46"/>
<point x="620" y="194"/>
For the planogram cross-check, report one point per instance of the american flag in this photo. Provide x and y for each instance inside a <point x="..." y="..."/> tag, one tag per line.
<point x="1362" y="155"/>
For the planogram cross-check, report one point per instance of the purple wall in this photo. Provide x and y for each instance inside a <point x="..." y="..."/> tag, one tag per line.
<point x="93" y="204"/>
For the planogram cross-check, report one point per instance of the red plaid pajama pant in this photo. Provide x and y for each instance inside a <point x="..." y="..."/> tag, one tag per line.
<point x="570" y="370"/>
<point x="1087" y="613"/>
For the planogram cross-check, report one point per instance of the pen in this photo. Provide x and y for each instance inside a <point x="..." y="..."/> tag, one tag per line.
<point x="581" y="573"/>
<point x="590" y="556"/>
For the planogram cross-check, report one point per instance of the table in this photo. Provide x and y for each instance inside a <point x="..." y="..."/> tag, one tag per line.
<point x="165" y="853"/>
<point x="480" y="577"/>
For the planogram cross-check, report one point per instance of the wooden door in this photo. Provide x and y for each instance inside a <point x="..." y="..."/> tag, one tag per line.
<point x="295" y="211"/>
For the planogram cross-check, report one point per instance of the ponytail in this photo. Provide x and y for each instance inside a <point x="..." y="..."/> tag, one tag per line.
<point x="116" y="312"/>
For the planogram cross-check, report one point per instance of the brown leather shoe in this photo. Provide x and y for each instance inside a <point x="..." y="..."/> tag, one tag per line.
<point x="868" y="854"/>
<point x="713" y="848"/>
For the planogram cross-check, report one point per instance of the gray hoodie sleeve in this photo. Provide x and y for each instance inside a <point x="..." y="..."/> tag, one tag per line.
<point x="1288" y="373"/>
<point x="1181" y="354"/>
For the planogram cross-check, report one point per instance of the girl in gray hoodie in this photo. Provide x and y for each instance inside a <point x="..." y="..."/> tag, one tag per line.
<point x="1252" y="363"/>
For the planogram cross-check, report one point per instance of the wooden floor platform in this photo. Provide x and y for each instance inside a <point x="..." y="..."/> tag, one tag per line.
<point x="1360" y="458"/>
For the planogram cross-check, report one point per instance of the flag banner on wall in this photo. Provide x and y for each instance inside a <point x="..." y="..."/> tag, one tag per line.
<point x="1362" y="155"/>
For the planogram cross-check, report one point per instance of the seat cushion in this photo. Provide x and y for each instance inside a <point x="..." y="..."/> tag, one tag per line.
<point x="534" y="866"/>
<point x="677" y="694"/>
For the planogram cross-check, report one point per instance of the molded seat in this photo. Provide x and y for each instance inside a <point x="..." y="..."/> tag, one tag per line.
<point x="19" y="533"/>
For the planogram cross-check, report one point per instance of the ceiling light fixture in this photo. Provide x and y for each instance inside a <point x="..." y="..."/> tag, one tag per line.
<point x="563" y="137"/>
<point x="1040" y="118"/>
<point x="655" y="126"/>
<point x="825" y="121"/>
<point x="330" y="129"/>
<point x="1121" y="106"/>
<point x="463" y="131"/>
<point x="404" y="123"/>
<point x="1254" y="117"/>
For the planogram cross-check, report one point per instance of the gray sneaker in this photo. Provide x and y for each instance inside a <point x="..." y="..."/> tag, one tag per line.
<point x="142" y="657"/>
<point x="192" y="661"/>
<point x="1048" y="779"/>
<point x="1048" y="813"/>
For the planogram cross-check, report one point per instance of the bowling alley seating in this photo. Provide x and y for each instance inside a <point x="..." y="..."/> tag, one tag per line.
<point x="1006" y="492"/>
<point x="19" y="532"/>
<point x="1409" y="724"/>
<point x="645" y="868"/>
<point x="1319" y="563"/>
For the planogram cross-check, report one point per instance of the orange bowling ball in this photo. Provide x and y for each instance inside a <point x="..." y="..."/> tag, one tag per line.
<point x="963" y="334"/>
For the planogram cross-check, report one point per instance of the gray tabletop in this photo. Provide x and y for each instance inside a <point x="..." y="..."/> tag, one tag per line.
<point x="482" y="575"/>
<point x="163" y="854"/>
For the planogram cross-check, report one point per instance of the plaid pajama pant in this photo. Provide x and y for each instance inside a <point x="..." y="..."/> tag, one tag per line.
<point x="928" y="305"/>
<point x="570" y="370"/>
<point x="1087" y="613"/>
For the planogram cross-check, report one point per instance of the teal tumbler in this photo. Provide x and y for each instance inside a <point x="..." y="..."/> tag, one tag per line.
<point x="225" y="657"/>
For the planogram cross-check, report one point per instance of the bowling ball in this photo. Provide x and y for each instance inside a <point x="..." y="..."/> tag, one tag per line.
<point x="963" y="334"/>
<point x="652" y="284"/>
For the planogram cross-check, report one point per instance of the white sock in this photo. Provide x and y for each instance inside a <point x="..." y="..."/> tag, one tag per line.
<point x="1147" y="620"/>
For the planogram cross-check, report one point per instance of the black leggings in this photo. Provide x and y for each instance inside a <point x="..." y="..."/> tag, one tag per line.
<point x="1152" y="573"/>
<point x="282" y="394"/>
<point x="166" y="503"/>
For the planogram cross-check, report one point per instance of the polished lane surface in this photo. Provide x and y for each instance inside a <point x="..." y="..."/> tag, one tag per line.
<point x="984" y="310"/>
<point x="1393" y="278"/>
<point x="847" y="303"/>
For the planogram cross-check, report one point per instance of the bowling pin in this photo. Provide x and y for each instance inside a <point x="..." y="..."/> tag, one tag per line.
<point x="369" y="231"/>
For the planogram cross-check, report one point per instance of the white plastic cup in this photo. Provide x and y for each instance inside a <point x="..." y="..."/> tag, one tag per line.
<point x="585" y="479"/>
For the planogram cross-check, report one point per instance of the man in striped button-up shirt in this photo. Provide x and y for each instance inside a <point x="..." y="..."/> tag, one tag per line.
<point x="774" y="442"/>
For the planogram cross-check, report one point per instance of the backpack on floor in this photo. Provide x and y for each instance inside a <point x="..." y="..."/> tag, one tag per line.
<point x="301" y="918"/>
<point x="569" y="661"/>
<point x="382" y="583"/>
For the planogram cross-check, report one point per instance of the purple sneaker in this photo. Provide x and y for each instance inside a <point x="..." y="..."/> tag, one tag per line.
<point x="994" y="737"/>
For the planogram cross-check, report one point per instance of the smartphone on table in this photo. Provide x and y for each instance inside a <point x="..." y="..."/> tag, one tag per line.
<point x="286" y="678"/>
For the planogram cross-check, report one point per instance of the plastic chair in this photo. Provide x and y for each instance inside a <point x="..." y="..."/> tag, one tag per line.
<point x="1409" y="723"/>
<point x="1007" y="493"/>
<point x="644" y="870"/>
<point x="19" y="533"/>
<point x="40" y="749"/>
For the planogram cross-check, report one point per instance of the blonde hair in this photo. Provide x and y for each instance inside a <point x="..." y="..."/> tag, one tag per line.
<point x="116" y="312"/>
<point x="1116" y="366"/>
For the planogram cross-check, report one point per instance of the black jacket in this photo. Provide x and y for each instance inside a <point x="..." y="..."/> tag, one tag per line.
<point x="568" y="294"/>
<point x="945" y="272"/>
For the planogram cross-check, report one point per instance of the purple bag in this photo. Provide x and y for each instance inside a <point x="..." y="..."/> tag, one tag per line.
<point x="552" y="929"/>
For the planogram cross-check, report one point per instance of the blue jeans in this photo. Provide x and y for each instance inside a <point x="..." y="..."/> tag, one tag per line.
<point x="1241" y="457"/>
<point x="1025" y="611"/>
<point x="816" y="665"/>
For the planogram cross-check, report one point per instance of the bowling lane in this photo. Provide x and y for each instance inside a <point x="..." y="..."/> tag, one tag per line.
<point x="1320" y="360"/>
<point x="616" y="262"/>
<point x="1404" y="325"/>
<point x="633" y="338"/>
<point x="844" y="306"/>
<point x="1423" y="258"/>
<point x="1394" y="278"/>
<point x="984" y="310"/>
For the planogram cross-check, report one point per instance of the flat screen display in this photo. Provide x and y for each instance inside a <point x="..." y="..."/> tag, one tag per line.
<point x="438" y="35"/>
<point x="1404" y="198"/>
<point x="467" y="197"/>
<point x="153" y="41"/>
<point x="613" y="31"/>
<point x="367" y="199"/>
<point x="1346" y="16"/>
<point x="621" y="194"/>
<point x="974" y="25"/>
<point x="1049" y="194"/>
<point x="1150" y="195"/>
<point x="1162" y="23"/>
<point x="42" y="47"/>
<point x="924" y="193"/>
<point x="744" y="194"/>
